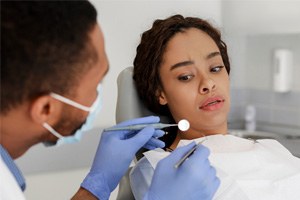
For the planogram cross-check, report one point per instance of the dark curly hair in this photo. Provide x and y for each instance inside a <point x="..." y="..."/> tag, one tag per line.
<point x="45" y="47"/>
<point x="150" y="51"/>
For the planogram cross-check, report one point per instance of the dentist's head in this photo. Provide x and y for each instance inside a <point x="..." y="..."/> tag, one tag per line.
<point x="53" y="54"/>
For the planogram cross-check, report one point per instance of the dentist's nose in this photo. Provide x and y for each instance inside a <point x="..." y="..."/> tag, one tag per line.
<point x="207" y="85"/>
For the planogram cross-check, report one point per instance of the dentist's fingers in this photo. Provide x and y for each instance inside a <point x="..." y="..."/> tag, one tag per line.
<point x="158" y="133"/>
<point x="213" y="180"/>
<point x="200" y="159"/>
<point x="154" y="143"/>
<point x="141" y="138"/>
<point x="214" y="186"/>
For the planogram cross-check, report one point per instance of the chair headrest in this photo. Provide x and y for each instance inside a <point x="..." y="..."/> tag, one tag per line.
<point x="129" y="105"/>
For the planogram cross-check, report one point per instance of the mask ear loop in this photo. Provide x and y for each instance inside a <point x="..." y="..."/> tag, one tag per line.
<point x="51" y="130"/>
<point x="78" y="105"/>
<point x="70" y="102"/>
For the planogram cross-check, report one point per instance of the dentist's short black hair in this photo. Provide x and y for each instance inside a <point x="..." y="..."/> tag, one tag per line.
<point x="45" y="47"/>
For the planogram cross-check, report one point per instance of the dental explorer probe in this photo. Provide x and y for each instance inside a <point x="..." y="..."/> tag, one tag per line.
<point x="183" y="125"/>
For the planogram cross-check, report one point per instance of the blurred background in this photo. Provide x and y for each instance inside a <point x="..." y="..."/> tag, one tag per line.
<point x="263" y="39"/>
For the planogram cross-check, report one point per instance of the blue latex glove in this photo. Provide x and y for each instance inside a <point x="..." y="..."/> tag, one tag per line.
<point x="115" y="152"/>
<point x="195" y="179"/>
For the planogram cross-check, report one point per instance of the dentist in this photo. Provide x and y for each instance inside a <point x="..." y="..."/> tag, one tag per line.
<point x="52" y="63"/>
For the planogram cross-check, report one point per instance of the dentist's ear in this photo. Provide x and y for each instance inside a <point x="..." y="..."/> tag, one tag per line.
<point x="44" y="108"/>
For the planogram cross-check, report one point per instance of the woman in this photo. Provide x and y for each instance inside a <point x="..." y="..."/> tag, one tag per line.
<point x="183" y="63"/>
<point x="179" y="60"/>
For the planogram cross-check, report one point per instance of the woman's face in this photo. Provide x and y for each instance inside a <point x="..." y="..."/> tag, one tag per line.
<point x="195" y="83"/>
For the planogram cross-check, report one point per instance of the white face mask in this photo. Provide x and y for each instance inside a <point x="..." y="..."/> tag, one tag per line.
<point x="93" y="111"/>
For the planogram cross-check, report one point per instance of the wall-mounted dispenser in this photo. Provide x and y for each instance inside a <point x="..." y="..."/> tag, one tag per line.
<point x="283" y="70"/>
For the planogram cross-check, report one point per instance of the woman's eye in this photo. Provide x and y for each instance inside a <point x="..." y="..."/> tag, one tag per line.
<point x="216" y="69"/>
<point x="185" y="77"/>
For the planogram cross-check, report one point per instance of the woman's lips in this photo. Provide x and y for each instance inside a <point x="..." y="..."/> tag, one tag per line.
<point x="212" y="104"/>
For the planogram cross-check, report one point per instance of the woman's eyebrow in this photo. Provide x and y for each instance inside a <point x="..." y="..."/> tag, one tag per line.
<point x="213" y="54"/>
<point x="190" y="62"/>
<point x="181" y="64"/>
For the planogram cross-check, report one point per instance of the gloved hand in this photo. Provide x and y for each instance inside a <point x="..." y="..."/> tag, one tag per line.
<point x="195" y="179"/>
<point x="115" y="152"/>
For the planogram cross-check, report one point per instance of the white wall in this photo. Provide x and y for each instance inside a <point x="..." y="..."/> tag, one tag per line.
<point x="245" y="21"/>
<point x="261" y="16"/>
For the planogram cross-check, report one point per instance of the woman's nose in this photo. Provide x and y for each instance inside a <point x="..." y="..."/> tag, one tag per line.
<point x="207" y="85"/>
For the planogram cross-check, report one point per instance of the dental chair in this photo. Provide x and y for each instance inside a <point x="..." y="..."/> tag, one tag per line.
<point x="129" y="106"/>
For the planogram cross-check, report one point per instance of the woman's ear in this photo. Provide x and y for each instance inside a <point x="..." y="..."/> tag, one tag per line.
<point x="161" y="97"/>
<point x="43" y="108"/>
